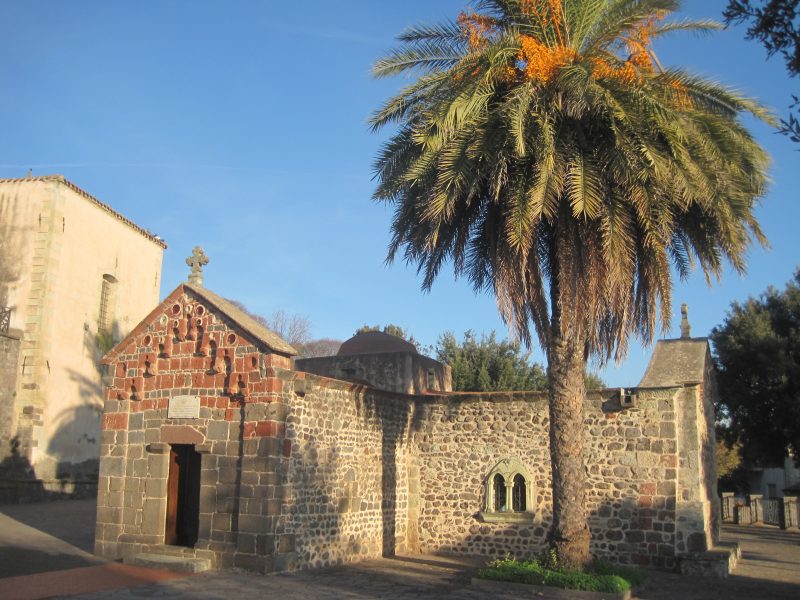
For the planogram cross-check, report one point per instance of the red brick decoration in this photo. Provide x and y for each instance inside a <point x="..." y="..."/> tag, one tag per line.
<point x="186" y="349"/>
<point x="113" y="421"/>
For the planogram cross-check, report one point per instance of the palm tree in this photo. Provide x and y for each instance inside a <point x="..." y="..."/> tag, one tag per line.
<point x="544" y="150"/>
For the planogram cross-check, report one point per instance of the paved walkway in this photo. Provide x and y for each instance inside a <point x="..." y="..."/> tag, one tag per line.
<point x="770" y="570"/>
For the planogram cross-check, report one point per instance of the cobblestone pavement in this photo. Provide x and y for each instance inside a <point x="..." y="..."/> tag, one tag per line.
<point x="770" y="570"/>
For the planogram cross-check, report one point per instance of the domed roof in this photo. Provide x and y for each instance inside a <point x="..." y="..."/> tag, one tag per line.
<point x="375" y="342"/>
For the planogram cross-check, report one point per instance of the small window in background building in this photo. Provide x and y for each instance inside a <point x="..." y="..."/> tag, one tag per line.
<point x="108" y="304"/>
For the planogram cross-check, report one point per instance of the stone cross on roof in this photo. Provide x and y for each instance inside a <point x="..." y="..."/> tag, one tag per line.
<point x="686" y="329"/>
<point x="197" y="261"/>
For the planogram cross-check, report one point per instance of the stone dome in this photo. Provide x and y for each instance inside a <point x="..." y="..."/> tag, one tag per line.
<point x="375" y="342"/>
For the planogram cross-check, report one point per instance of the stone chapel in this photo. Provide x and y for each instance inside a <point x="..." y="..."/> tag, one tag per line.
<point x="220" y="449"/>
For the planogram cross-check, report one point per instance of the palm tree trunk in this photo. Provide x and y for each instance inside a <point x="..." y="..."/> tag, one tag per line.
<point x="570" y="533"/>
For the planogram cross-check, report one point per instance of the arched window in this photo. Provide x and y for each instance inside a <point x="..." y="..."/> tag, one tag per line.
<point x="499" y="493"/>
<point x="518" y="500"/>
<point x="508" y="494"/>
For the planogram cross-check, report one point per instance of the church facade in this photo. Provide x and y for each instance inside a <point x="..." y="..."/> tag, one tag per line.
<point x="75" y="275"/>
<point x="217" y="446"/>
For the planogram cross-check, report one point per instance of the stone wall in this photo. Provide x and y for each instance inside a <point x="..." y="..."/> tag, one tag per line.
<point x="631" y="457"/>
<point x="686" y="363"/>
<point x="347" y="481"/>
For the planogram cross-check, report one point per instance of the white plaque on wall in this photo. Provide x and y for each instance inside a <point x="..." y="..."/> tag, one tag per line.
<point x="184" y="407"/>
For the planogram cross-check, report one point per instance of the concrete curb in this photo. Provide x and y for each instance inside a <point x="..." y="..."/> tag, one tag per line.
<point x="546" y="592"/>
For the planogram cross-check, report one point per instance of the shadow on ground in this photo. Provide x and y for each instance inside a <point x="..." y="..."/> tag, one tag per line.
<point x="71" y="521"/>
<point x="47" y="536"/>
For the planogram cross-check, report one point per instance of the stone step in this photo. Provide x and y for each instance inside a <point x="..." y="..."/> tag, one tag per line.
<point x="720" y="561"/>
<point x="184" y="564"/>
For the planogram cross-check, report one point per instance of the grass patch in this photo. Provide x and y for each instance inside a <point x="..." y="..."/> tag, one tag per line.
<point x="603" y="577"/>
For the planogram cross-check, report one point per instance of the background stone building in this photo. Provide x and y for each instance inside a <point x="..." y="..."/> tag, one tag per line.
<point x="216" y="449"/>
<point x="74" y="276"/>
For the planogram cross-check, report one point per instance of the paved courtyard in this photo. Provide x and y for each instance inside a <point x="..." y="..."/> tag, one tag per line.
<point x="44" y="553"/>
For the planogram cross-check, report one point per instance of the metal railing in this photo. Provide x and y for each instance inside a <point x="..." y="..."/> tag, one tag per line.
<point x="5" y="319"/>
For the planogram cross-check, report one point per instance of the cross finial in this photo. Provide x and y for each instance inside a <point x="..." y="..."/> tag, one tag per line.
<point x="197" y="261"/>
<point x="686" y="329"/>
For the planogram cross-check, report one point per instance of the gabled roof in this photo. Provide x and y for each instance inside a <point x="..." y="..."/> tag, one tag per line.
<point x="256" y="330"/>
<point x="245" y="321"/>
<point x="102" y="205"/>
<point x="677" y="362"/>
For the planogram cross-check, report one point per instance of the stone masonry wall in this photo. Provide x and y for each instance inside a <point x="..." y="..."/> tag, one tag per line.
<point x="463" y="438"/>
<point x="347" y="490"/>
<point x="631" y="460"/>
<point x="698" y="525"/>
<point x="9" y="368"/>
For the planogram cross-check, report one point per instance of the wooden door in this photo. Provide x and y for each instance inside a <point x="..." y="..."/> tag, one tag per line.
<point x="183" y="496"/>
<point x="171" y="534"/>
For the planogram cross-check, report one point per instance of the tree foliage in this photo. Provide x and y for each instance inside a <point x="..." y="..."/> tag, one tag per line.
<point x="593" y="381"/>
<point x="292" y="327"/>
<point x="775" y="24"/>
<point x="484" y="364"/>
<point x="729" y="458"/>
<point x="295" y="329"/>
<point x="545" y="153"/>
<point x="390" y="329"/>
<point x="320" y="347"/>
<point x="757" y="350"/>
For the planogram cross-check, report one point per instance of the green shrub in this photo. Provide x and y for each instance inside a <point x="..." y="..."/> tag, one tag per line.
<point x="602" y="578"/>
<point x="634" y="576"/>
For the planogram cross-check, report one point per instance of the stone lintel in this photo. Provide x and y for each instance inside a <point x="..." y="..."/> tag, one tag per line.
<point x="181" y="434"/>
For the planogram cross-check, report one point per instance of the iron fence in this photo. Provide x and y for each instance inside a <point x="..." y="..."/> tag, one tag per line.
<point x="772" y="509"/>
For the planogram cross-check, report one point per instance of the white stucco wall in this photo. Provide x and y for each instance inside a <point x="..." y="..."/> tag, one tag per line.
<point x="70" y="243"/>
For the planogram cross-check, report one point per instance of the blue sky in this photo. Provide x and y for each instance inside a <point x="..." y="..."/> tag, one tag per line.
<point x="242" y="126"/>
